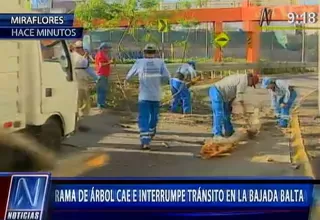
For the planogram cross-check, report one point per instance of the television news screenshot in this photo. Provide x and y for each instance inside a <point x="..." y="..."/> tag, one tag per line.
<point x="159" y="109"/>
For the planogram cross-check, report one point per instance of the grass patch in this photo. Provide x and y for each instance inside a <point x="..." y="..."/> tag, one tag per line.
<point x="119" y="102"/>
<point x="293" y="70"/>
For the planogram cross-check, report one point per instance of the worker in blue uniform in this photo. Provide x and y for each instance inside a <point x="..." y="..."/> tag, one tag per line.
<point x="283" y="97"/>
<point x="180" y="94"/>
<point x="188" y="70"/>
<point x="152" y="73"/>
<point x="222" y="94"/>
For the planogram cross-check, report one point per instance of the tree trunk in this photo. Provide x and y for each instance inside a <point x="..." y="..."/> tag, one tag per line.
<point x="185" y="46"/>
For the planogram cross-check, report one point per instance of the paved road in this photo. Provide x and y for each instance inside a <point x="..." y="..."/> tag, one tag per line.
<point x="121" y="143"/>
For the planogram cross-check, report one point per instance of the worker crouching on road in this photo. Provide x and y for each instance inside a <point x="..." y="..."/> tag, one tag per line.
<point x="84" y="77"/>
<point x="283" y="97"/>
<point x="180" y="94"/>
<point x="222" y="94"/>
<point x="152" y="72"/>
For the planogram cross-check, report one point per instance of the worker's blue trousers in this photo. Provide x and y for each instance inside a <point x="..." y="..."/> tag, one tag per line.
<point x="221" y="114"/>
<point x="181" y="95"/>
<point x="284" y="113"/>
<point x="102" y="89"/>
<point x="148" y="119"/>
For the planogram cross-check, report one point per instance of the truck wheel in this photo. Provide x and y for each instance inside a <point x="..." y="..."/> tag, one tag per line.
<point x="51" y="134"/>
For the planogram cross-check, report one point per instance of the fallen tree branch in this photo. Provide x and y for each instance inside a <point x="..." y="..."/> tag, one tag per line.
<point x="212" y="149"/>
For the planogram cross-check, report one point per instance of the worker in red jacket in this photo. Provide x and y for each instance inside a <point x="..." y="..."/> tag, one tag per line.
<point x="103" y="69"/>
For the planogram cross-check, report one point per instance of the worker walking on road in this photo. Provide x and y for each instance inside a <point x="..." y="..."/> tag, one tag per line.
<point x="152" y="72"/>
<point x="84" y="77"/>
<point x="181" y="94"/>
<point x="222" y="94"/>
<point x="283" y="97"/>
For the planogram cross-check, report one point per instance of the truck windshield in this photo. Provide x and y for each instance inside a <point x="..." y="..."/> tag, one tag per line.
<point x="58" y="52"/>
<point x="52" y="51"/>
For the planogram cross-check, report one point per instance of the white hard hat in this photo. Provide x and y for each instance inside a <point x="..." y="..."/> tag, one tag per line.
<point x="78" y="44"/>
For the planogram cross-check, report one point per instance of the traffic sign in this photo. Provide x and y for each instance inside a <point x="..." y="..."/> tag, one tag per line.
<point x="249" y="41"/>
<point x="222" y="40"/>
<point x="163" y="25"/>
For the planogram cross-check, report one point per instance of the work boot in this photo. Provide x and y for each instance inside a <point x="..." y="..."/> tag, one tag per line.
<point x="145" y="147"/>
<point x="228" y="134"/>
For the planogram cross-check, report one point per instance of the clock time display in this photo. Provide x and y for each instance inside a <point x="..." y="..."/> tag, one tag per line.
<point x="304" y="18"/>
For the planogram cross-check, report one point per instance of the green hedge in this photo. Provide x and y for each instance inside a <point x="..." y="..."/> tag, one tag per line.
<point x="267" y="71"/>
<point x="294" y="70"/>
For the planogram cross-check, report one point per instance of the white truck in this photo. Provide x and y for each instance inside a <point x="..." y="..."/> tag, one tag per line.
<point x="38" y="91"/>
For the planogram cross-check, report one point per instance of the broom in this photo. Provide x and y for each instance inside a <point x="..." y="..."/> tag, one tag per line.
<point x="123" y="91"/>
<point x="177" y="93"/>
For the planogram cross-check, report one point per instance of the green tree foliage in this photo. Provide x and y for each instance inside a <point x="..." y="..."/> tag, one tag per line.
<point x="201" y="3"/>
<point x="111" y="14"/>
<point x="148" y="4"/>
<point x="89" y="12"/>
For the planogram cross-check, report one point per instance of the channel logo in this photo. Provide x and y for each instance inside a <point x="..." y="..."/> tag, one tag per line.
<point x="27" y="196"/>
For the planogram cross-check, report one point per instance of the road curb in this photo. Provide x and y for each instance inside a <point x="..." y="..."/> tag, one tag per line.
<point x="300" y="156"/>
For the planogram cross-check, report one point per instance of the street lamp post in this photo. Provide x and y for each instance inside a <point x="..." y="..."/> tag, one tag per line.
<point x="162" y="34"/>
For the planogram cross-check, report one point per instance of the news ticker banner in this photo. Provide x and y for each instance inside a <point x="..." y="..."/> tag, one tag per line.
<point x="38" y="26"/>
<point x="35" y="196"/>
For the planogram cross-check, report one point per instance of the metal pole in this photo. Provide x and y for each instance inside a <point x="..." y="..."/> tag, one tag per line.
<point x="207" y="44"/>
<point x="303" y="48"/>
<point x="162" y="43"/>
<point x="162" y="34"/>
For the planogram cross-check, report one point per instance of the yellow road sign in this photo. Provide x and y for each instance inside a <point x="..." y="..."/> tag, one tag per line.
<point x="163" y="25"/>
<point x="222" y="40"/>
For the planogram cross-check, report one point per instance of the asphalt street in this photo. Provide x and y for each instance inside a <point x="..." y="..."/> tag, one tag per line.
<point x="267" y="155"/>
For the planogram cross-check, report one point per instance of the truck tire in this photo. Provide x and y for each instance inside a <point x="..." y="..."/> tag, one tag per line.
<point x="51" y="134"/>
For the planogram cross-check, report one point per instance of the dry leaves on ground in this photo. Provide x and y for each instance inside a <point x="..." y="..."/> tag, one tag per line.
<point x="212" y="149"/>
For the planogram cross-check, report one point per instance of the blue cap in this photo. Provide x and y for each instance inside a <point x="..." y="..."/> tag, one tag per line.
<point x="192" y="63"/>
<point x="266" y="82"/>
<point x="104" y="45"/>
